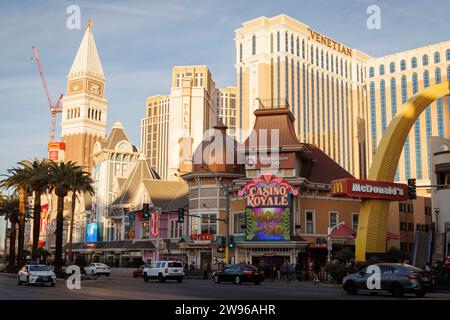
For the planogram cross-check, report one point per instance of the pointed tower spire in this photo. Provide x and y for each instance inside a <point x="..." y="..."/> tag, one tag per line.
<point x="87" y="61"/>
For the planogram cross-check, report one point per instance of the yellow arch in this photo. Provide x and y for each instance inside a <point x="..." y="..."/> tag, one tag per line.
<point x="372" y="224"/>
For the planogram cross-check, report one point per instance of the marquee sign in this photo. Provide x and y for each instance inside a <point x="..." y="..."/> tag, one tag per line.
<point x="268" y="214"/>
<point x="202" y="237"/>
<point x="369" y="189"/>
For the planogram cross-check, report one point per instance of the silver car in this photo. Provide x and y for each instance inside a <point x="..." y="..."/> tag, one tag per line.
<point x="394" y="278"/>
<point x="36" y="274"/>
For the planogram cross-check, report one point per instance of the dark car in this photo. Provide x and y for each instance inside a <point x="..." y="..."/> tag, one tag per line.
<point x="238" y="273"/>
<point x="139" y="272"/>
<point x="395" y="278"/>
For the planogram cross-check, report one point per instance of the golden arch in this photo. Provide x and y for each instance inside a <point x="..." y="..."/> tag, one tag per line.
<point x="372" y="224"/>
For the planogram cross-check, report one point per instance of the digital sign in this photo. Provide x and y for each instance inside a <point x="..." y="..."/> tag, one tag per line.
<point x="268" y="213"/>
<point x="92" y="232"/>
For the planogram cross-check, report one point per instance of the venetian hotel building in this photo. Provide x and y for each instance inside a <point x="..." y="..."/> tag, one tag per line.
<point x="328" y="88"/>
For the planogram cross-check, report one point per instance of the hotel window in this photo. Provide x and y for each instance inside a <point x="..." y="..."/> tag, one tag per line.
<point x="286" y="42"/>
<point x="278" y="80"/>
<point x="417" y="133"/>
<point x="437" y="57"/>
<point x="298" y="97"/>
<point x="402" y="207"/>
<point x="410" y="208"/>
<point x="394" y="112"/>
<point x="332" y="63"/>
<point x="342" y="68"/>
<point x="303" y="49"/>
<point x="333" y="219"/>
<point x="403" y="226"/>
<point x="403" y="65"/>
<point x="447" y="53"/>
<point x="357" y="72"/>
<point x="292" y="44"/>
<point x="271" y="43"/>
<point x="286" y="78"/>
<point x="293" y="87"/>
<point x="313" y="122"/>
<point x="321" y="59"/>
<point x="253" y="45"/>
<point x="440" y="117"/>
<point x="239" y="221"/>
<point x="208" y="225"/>
<point x="179" y="77"/>
<point x="414" y="62"/>
<point x="428" y="128"/>
<point x="425" y="60"/>
<point x="240" y="52"/>
<point x="317" y="56"/>
<point x="298" y="47"/>
<point x="355" y="218"/>
<point x="346" y="69"/>
<point x="199" y="79"/>
<point x="371" y="72"/>
<point x="392" y="67"/>
<point x="406" y="147"/>
<point x="319" y="132"/>
<point x="328" y="62"/>
<point x="381" y="71"/>
<point x="311" y="55"/>
<point x="305" y="124"/>
<point x="373" y="118"/>
<point x="337" y="66"/>
<point x="176" y="229"/>
<point x="437" y="76"/>
<point x="309" y="221"/>
<point x="278" y="41"/>
<point x="383" y="106"/>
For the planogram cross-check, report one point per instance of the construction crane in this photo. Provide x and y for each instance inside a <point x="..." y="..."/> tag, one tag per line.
<point x="54" y="108"/>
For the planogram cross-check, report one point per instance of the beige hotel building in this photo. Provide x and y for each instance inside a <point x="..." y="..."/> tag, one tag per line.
<point x="328" y="88"/>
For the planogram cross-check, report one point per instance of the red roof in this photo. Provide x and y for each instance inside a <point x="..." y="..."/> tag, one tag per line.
<point x="343" y="232"/>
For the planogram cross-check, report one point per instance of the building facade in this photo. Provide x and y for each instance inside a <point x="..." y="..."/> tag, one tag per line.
<point x="227" y="108"/>
<point x="84" y="107"/>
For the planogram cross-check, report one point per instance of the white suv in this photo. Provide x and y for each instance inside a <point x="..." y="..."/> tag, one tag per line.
<point x="164" y="270"/>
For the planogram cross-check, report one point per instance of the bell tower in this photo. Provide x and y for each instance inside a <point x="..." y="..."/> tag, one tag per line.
<point x="85" y="107"/>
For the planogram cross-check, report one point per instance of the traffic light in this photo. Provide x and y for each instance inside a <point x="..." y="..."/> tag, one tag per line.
<point x="412" y="189"/>
<point x="231" y="243"/>
<point x="146" y="211"/>
<point x="181" y="215"/>
<point x="224" y="242"/>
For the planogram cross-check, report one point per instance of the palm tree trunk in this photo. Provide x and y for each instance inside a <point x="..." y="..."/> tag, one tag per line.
<point x="21" y="240"/>
<point x="59" y="235"/>
<point x="12" y="246"/>
<point x="71" y="227"/>
<point x="36" y="223"/>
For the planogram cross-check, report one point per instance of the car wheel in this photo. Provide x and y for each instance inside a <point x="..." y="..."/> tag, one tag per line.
<point x="180" y="280"/>
<point x="161" y="278"/>
<point x="216" y="279"/>
<point x="421" y="293"/>
<point x="350" y="288"/>
<point x="397" y="290"/>
<point x="145" y="277"/>
<point x="237" y="280"/>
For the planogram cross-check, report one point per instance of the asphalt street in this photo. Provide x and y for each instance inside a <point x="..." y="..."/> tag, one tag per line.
<point x="123" y="288"/>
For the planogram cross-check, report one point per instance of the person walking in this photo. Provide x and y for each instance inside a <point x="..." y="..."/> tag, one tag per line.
<point x="316" y="269"/>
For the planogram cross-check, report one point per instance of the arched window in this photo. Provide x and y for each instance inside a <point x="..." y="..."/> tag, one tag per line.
<point x="271" y="43"/>
<point x="415" y="83"/>
<point x="381" y="71"/>
<point x="426" y="79"/>
<point x="337" y="65"/>
<point x="89" y="113"/>
<point x="303" y="49"/>
<point x="357" y="72"/>
<point x="292" y="44"/>
<point x="317" y="56"/>
<point x="312" y="54"/>
<point x="99" y="116"/>
<point x="342" y="68"/>
<point x="278" y="41"/>
<point x="328" y="62"/>
<point x="437" y="57"/>
<point x="371" y="72"/>
<point x="240" y="52"/>
<point x="413" y="62"/>
<point x="286" y="42"/>
<point x="392" y="67"/>
<point x="321" y="59"/>
<point x="332" y="63"/>
<point x="253" y="45"/>
<point x="403" y="65"/>
<point x="447" y="54"/>
<point x="346" y="69"/>
<point x="298" y="47"/>
<point x="437" y="76"/>
<point x="425" y="60"/>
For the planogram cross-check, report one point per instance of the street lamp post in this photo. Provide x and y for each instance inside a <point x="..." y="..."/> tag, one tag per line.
<point x="329" y="243"/>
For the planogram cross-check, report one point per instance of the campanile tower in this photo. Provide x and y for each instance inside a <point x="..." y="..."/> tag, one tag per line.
<point x="84" y="106"/>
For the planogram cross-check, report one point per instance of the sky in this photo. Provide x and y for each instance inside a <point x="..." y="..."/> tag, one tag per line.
<point x="140" y="41"/>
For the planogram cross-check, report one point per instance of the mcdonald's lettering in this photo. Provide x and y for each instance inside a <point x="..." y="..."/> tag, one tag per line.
<point x="369" y="189"/>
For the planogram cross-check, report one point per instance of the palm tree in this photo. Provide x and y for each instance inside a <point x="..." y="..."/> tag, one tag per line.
<point x="63" y="178"/>
<point x="9" y="208"/>
<point x="15" y="179"/>
<point x="35" y="177"/>
<point x="81" y="183"/>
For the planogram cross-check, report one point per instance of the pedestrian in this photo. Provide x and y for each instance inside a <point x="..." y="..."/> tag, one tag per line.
<point x="316" y="269"/>
<point x="284" y="271"/>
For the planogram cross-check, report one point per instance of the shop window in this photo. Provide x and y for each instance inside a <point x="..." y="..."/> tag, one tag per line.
<point x="309" y="218"/>
<point x="333" y="219"/>
<point x="176" y="229"/>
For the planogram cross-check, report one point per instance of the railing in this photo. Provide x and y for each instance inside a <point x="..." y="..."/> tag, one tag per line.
<point x="273" y="103"/>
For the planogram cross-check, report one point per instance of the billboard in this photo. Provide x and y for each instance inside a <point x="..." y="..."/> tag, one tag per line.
<point x="369" y="189"/>
<point x="268" y="213"/>
<point x="92" y="232"/>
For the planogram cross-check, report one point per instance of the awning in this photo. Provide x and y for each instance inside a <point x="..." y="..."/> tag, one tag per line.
<point x="392" y="236"/>
<point x="343" y="232"/>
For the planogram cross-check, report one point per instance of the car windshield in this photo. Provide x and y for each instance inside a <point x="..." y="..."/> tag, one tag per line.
<point x="39" y="268"/>
<point x="175" y="265"/>
<point x="248" y="267"/>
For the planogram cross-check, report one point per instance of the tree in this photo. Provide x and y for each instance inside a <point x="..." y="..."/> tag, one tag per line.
<point x="9" y="208"/>
<point x="34" y="176"/>
<point x="62" y="179"/>
<point x="81" y="183"/>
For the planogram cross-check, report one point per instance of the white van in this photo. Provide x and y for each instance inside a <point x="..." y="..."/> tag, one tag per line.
<point x="164" y="270"/>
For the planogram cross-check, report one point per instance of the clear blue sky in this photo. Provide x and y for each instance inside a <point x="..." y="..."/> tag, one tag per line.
<point x="140" y="41"/>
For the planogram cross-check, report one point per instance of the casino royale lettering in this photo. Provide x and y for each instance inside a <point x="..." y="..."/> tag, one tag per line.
<point x="330" y="43"/>
<point x="268" y="196"/>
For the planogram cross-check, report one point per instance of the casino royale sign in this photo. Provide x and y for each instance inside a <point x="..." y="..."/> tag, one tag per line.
<point x="369" y="189"/>
<point x="330" y="43"/>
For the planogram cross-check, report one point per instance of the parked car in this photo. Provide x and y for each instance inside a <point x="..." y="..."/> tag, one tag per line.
<point x="139" y="272"/>
<point x="36" y="274"/>
<point x="164" y="270"/>
<point x="96" y="269"/>
<point x="239" y="273"/>
<point x="395" y="278"/>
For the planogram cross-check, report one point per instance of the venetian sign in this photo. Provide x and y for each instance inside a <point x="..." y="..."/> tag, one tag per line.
<point x="369" y="189"/>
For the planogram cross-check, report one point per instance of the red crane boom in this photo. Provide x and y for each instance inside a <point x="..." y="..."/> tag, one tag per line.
<point x="54" y="108"/>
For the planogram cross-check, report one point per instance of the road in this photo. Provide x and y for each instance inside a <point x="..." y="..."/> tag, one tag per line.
<point x="123" y="288"/>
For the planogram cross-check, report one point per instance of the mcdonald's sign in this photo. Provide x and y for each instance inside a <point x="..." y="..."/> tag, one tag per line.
<point x="369" y="189"/>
